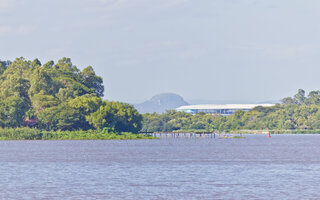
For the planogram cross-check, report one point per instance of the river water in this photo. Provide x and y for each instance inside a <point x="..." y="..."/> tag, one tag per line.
<point x="257" y="167"/>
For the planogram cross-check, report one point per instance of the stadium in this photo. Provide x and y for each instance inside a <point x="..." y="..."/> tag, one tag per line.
<point x="223" y="109"/>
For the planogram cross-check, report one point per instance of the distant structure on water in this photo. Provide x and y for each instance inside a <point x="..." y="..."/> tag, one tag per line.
<point x="222" y="109"/>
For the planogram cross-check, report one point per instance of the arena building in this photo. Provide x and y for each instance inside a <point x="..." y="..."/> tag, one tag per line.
<point x="223" y="109"/>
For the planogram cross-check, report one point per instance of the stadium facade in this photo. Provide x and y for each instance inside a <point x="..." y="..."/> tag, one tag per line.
<point x="222" y="109"/>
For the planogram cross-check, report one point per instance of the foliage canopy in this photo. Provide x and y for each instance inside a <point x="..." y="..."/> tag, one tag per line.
<point x="59" y="97"/>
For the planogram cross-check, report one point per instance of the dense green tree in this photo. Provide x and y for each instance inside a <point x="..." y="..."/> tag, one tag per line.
<point x="300" y="96"/>
<point x="60" y="117"/>
<point x="289" y="100"/>
<point x="59" y="97"/>
<point x="3" y="66"/>
<point x="313" y="98"/>
<point x="91" y="80"/>
<point x="120" y="117"/>
<point x="85" y="105"/>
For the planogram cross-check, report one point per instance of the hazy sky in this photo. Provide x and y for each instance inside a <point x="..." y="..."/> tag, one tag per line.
<point x="232" y="50"/>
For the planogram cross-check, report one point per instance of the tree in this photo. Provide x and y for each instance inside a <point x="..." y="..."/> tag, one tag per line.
<point x="3" y="66"/>
<point x="313" y="97"/>
<point x="35" y="63"/>
<point x="288" y="125"/>
<point x="40" y="82"/>
<point x="121" y="117"/>
<point x="85" y="105"/>
<point x="300" y="96"/>
<point x="60" y="117"/>
<point x="12" y="112"/>
<point x="92" y="81"/>
<point x="289" y="100"/>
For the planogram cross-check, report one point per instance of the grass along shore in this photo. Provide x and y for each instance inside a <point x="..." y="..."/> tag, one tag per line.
<point x="36" y="134"/>
<point x="293" y="131"/>
<point x="265" y="131"/>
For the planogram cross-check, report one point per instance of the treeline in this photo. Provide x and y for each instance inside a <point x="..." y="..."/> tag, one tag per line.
<point x="59" y="96"/>
<point x="294" y="113"/>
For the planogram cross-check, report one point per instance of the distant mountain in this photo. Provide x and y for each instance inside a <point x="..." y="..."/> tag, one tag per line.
<point x="160" y="103"/>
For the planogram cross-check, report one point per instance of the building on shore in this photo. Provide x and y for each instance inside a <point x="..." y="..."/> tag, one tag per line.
<point x="222" y="109"/>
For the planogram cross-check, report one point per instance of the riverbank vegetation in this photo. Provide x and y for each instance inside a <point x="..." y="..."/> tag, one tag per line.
<point x="57" y="100"/>
<point x="298" y="114"/>
<point x="27" y="133"/>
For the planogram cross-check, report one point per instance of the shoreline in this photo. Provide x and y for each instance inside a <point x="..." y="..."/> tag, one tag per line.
<point x="299" y="131"/>
<point x="36" y="134"/>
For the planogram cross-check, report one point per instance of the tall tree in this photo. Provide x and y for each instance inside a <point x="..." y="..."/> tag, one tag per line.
<point x="121" y="117"/>
<point x="300" y="96"/>
<point x="92" y="81"/>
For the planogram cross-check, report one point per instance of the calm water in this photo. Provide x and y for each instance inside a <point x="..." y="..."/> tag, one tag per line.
<point x="282" y="167"/>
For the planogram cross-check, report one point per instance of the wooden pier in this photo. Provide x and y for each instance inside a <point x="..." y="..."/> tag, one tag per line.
<point x="212" y="135"/>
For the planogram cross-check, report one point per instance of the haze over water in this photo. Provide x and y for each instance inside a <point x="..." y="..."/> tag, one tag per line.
<point x="282" y="167"/>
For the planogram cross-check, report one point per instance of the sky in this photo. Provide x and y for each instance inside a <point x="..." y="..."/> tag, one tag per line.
<point x="244" y="51"/>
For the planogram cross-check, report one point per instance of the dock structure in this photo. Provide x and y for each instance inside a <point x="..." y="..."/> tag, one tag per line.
<point x="181" y="134"/>
<point x="190" y="134"/>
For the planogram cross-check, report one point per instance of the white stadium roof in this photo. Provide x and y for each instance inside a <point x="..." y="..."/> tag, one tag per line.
<point x="222" y="106"/>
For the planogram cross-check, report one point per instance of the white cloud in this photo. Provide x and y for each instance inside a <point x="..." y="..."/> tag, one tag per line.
<point x="58" y="51"/>
<point x="276" y="51"/>
<point x="4" y="4"/>
<point x="13" y="30"/>
<point x="26" y="28"/>
<point x="193" y="53"/>
<point x="173" y="3"/>
<point x="163" y="44"/>
<point x="125" y="4"/>
<point x="5" y="30"/>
